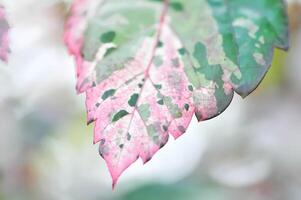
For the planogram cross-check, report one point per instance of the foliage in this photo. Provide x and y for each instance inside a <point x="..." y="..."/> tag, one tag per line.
<point x="148" y="66"/>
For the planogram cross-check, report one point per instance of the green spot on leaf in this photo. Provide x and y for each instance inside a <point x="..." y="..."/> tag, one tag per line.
<point x="128" y="136"/>
<point x="160" y="44"/>
<point x="109" y="51"/>
<point x="182" y="51"/>
<point x="177" y="6"/>
<point x="108" y="94"/>
<point x="157" y="61"/>
<point x="144" y="111"/>
<point x="186" y="106"/>
<point x="133" y="100"/>
<point x="152" y="132"/>
<point x="172" y="107"/>
<point x="119" y="115"/>
<point x="108" y="37"/>
<point x="158" y="86"/>
<point x="160" y="102"/>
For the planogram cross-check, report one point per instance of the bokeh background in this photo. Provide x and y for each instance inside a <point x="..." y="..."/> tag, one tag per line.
<point x="250" y="152"/>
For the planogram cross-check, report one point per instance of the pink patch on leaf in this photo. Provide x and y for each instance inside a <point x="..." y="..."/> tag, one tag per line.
<point x="74" y="39"/>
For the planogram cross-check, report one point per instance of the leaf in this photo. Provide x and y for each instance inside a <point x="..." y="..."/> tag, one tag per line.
<point x="148" y="66"/>
<point x="4" y="49"/>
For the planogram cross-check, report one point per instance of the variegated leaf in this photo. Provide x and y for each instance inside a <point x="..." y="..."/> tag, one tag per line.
<point x="147" y="66"/>
<point x="4" y="49"/>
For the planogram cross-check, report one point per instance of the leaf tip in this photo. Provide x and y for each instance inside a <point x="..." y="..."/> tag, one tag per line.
<point x="114" y="182"/>
<point x="146" y="160"/>
<point x="115" y="177"/>
<point x="90" y="121"/>
<point x="246" y="90"/>
<point x="199" y="116"/>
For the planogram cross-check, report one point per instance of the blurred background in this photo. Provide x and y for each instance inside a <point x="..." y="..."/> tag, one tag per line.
<point x="250" y="152"/>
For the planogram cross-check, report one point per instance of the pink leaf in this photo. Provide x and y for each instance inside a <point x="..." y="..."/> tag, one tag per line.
<point x="148" y="66"/>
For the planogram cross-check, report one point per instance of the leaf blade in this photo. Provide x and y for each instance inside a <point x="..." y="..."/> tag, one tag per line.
<point x="162" y="72"/>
